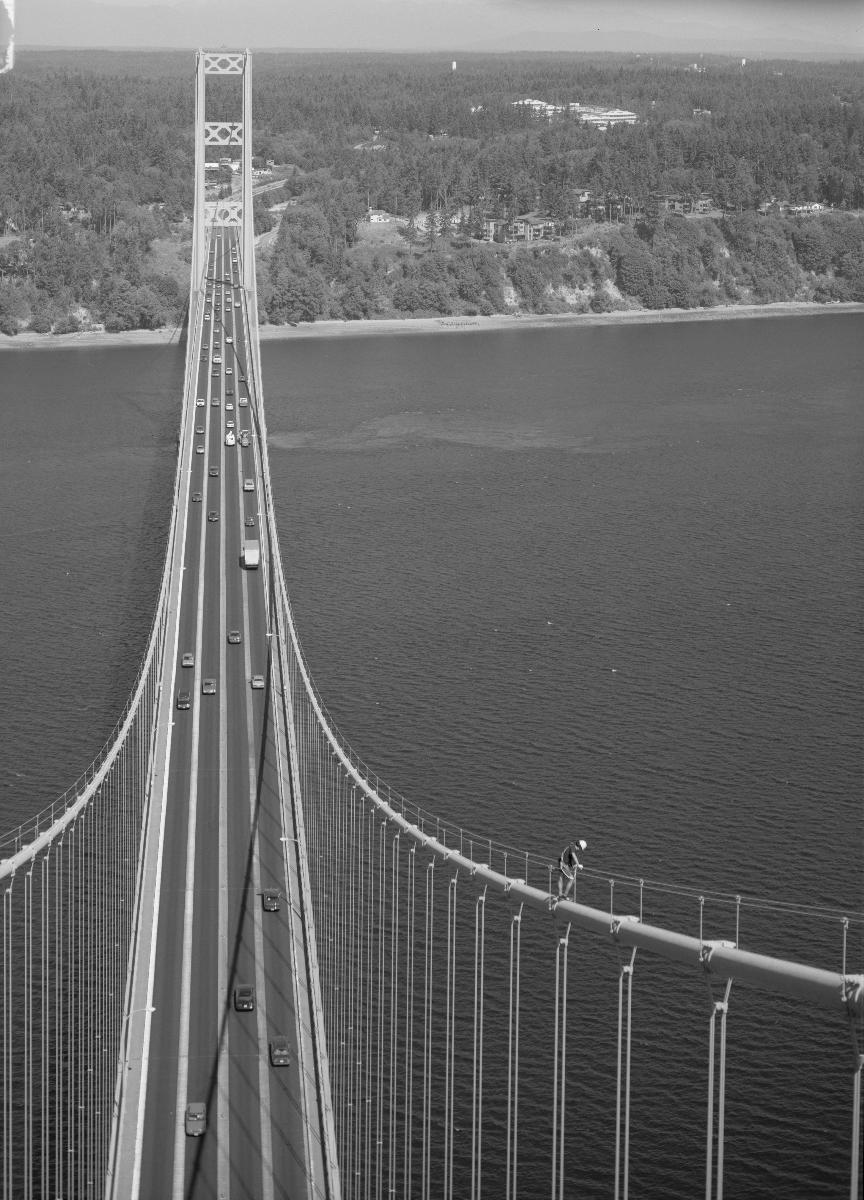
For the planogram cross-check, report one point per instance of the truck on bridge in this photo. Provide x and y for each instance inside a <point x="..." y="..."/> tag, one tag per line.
<point x="250" y="555"/>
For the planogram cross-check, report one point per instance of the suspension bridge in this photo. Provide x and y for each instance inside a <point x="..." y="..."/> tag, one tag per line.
<point x="235" y="963"/>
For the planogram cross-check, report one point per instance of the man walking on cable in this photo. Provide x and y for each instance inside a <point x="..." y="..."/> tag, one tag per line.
<point x="568" y="864"/>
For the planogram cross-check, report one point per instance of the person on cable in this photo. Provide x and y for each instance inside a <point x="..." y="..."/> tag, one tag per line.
<point x="568" y="864"/>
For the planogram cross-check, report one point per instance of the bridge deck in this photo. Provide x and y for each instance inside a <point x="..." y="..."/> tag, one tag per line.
<point x="224" y="840"/>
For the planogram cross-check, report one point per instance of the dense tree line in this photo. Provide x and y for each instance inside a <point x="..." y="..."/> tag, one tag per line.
<point x="670" y="262"/>
<point x="96" y="189"/>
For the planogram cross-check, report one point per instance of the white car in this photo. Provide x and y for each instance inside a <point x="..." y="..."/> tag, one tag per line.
<point x="229" y="370"/>
<point x="229" y="340"/>
<point x="200" y="401"/>
<point x="199" y="449"/>
<point x="229" y="424"/>
<point x="257" y="682"/>
<point x="230" y="439"/>
<point x="243" y="401"/>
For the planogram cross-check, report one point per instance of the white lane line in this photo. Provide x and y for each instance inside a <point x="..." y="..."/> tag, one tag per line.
<point x="223" y="1074"/>
<point x="179" y="1176"/>
<point x="267" y="1187"/>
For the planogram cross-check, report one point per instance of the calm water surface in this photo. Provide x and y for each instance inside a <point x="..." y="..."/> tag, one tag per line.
<point x="602" y="582"/>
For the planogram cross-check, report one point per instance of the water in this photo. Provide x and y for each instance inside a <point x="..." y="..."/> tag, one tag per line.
<point x="601" y="583"/>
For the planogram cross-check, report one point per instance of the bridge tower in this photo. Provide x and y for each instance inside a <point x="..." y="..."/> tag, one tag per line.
<point x="236" y="210"/>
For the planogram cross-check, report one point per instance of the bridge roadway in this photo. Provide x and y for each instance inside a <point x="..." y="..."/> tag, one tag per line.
<point x="223" y="837"/>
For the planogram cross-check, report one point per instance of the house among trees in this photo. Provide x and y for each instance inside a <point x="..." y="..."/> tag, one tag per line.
<point x="531" y="227"/>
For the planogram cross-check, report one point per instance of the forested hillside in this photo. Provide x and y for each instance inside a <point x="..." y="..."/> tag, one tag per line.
<point x="96" y="185"/>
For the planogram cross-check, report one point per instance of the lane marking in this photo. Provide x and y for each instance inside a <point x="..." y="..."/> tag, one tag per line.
<point x="223" y="1074"/>
<point x="267" y="1185"/>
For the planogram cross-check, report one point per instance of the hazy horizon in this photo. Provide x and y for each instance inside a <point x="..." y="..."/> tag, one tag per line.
<point x="652" y="26"/>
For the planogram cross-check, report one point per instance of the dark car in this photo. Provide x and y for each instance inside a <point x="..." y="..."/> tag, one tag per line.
<point x="196" y="1119"/>
<point x="280" y="1052"/>
<point x="244" y="997"/>
<point x="213" y="515"/>
<point x="270" y="900"/>
<point x="233" y="637"/>
<point x="184" y="699"/>
<point x="196" y="497"/>
<point x="214" y="471"/>
<point x="249" y="522"/>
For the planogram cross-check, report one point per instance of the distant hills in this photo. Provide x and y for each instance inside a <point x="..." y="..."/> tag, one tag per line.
<point x="408" y="28"/>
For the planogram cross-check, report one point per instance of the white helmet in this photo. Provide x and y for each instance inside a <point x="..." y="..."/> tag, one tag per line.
<point x="582" y="845"/>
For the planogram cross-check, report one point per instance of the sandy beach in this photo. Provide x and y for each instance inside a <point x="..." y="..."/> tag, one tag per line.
<point x="394" y="326"/>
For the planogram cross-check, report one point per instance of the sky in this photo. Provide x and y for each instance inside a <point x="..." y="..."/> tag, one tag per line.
<point x="724" y="26"/>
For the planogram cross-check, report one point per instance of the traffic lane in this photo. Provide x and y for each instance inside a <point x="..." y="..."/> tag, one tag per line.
<point x="288" y="1131"/>
<point x="246" y="1102"/>
<point x="206" y="1011"/>
<point x="288" y="1127"/>
<point x="165" y="1032"/>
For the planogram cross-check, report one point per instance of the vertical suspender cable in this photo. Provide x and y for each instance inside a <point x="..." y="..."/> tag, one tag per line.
<point x="382" y="924"/>
<point x="348" y="1133"/>
<point x="562" y="1082"/>
<point x="627" y="1077"/>
<point x="709" y="1137"/>
<point x="45" y="982"/>
<point x="427" y="1031"/>
<point x="477" y="1058"/>
<point x="449" y="1066"/>
<point x="854" y="1166"/>
<point x="28" y="1031"/>
<point x="394" y="998"/>
<point x="7" y="1039"/>
<point x="721" y="1100"/>
<point x="625" y="971"/>
<point x="409" y="1027"/>
<point x="513" y="1055"/>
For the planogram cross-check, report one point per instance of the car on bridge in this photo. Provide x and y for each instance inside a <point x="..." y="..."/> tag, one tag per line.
<point x="229" y="370"/>
<point x="280" y="1052"/>
<point x="230" y="439"/>
<point x="249" y="522"/>
<point x="243" y="401"/>
<point x="208" y="687"/>
<point x="229" y="407"/>
<point x="244" y="997"/>
<point x="257" y="683"/>
<point x="217" y="358"/>
<point x="248" y="485"/>
<point x="184" y="699"/>
<point x="229" y="340"/>
<point x="215" y="400"/>
<point x="199" y="429"/>
<point x="199" y="449"/>
<point x="270" y="900"/>
<point x="188" y="660"/>
<point x="200" y="401"/>
<point x="213" y="515"/>
<point x="196" y="1119"/>
<point x="233" y="637"/>
<point x="214" y="472"/>
<point x="229" y="424"/>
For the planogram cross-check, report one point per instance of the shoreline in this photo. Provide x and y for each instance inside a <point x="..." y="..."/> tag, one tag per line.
<point x="392" y="326"/>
